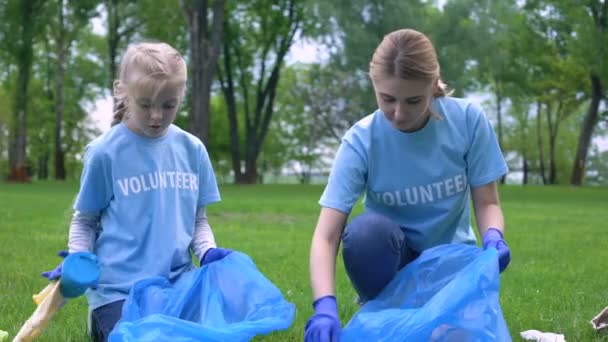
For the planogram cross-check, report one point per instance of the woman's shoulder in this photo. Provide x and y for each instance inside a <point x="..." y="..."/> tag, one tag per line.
<point x="364" y="126"/>
<point x="455" y="107"/>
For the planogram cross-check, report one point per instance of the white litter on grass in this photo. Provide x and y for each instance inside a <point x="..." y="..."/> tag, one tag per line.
<point x="3" y="336"/>
<point x="600" y="322"/>
<point x="539" y="336"/>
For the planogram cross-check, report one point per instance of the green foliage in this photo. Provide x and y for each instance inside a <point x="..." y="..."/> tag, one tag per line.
<point x="298" y="134"/>
<point x="360" y="27"/>
<point x="163" y="21"/>
<point x="597" y="167"/>
<point x="523" y="52"/>
<point x="219" y="140"/>
<point x="5" y="117"/>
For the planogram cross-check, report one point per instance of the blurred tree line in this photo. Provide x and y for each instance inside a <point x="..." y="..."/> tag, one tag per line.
<point x="539" y="66"/>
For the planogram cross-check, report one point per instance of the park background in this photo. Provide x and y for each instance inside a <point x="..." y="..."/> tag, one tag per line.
<point x="273" y="86"/>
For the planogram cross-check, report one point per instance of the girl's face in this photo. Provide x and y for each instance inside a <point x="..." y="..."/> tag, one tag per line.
<point x="405" y="103"/>
<point x="152" y="109"/>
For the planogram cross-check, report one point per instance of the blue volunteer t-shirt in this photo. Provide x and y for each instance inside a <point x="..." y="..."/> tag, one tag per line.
<point x="147" y="192"/>
<point x="421" y="180"/>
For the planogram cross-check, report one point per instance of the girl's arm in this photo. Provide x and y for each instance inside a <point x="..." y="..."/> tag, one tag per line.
<point x="83" y="232"/>
<point x="324" y="248"/>
<point x="203" y="238"/>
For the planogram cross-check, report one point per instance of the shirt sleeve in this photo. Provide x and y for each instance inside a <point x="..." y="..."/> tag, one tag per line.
<point x="95" y="183"/>
<point x="203" y="238"/>
<point x="208" y="190"/>
<point x="485" y="162"/>
<point x="347" y="179"/>
<point x="83" y="232"/>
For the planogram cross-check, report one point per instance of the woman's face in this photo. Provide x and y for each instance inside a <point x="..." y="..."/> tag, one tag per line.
<point x="405" y="103"/>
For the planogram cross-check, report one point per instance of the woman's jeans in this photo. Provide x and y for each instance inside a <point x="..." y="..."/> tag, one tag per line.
<point x="374" y="250"/>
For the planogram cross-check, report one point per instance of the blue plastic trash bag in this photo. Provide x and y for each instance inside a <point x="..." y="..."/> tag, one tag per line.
<point x="227" y="300"/>
<point x="449" y="293"/>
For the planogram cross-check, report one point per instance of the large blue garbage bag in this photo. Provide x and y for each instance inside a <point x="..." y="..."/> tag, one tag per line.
<point x="449" y="293"/>
<point x="227" y="300"/>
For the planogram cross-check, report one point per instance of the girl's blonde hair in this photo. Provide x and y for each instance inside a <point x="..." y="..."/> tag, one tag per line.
<point x="158" y="62"/>
<point x="407" y="54"/>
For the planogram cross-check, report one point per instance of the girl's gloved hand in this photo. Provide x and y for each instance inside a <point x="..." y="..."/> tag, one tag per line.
<point x="214" y="254"/>
<point x="56" y="273"/>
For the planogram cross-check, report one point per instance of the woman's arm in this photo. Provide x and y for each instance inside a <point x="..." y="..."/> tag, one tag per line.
<point x="324" y="249"/>
<point x="486" y="203"/>
<point x="490" y="222"/>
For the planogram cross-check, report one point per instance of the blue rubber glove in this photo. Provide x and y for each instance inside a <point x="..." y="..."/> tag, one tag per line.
<point x="214" y="254"/>
<point x="324" y="325"/>
<point x="493" y="238"/>
<point x="56" y="273"/>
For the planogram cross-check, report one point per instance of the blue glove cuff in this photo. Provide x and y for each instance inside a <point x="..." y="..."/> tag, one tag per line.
<point x="491" y="235"/>
<point x="493" y="231"/>
<point x="327" y="305"/>
<point x="214" y="254"/>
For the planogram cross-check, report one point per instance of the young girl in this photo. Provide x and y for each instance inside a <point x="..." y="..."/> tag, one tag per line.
<point x="144" y="187"/>
<point x="418" y="158"/>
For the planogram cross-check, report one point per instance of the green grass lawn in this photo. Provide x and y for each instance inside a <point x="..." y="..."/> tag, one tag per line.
<point x="557" y="281"/>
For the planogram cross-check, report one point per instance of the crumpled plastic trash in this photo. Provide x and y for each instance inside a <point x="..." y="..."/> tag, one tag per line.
<point x="539" y="336"/>
<point x="600" y="322"/>
<point x="49" y="301"/>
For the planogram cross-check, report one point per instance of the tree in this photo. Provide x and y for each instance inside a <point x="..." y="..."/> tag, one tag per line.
<point x="518" y="135"/>
<point x="122" y="22"/>
<point x="27" y="26"/>
<point x="303" y="129"/>
<point x="592" y="30"/>
<point x="494" y="22"/>
<point x="72" y="17"/>
<point x="254" y="51"/>
<point x="579" y="31"/>
<point x="205" y="47"/>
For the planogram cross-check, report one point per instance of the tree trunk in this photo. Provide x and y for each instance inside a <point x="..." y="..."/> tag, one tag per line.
<point x="256" y="127"/>
<point x="251" y="170"/>
<point x="584" y="140"/>
<point x="499" y="119"/>
<point x="43" y="167"/>
<point x="541" y="148"/>
<point x="553" y="125"/>
<point x="117" y="32"/>
<point x="227" y="84"/>
<point x="59" y="90"/>
<point x="17" y="159"/>
<point x="524" y="180"/>
<point x="113" y="40"/>
<point x="204" y="52"/>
